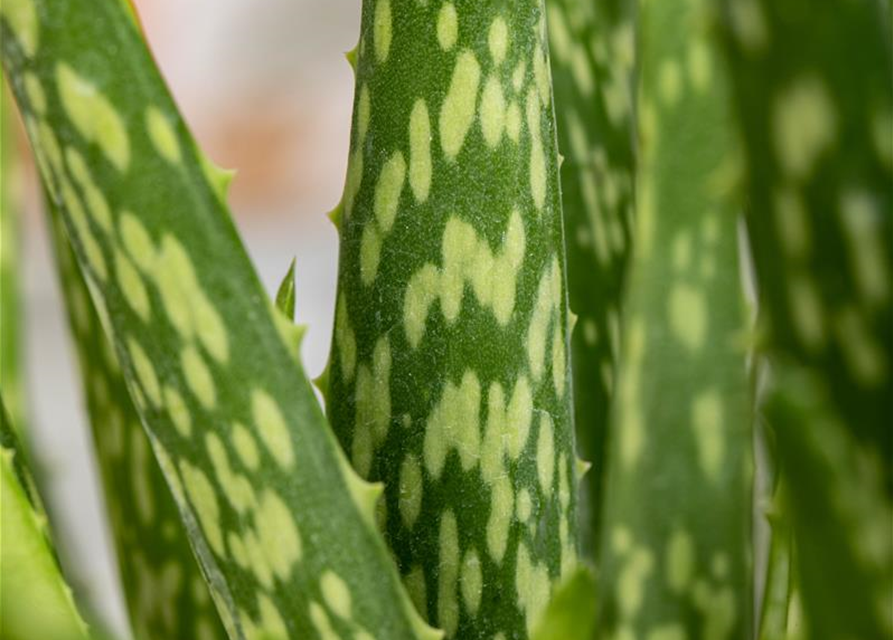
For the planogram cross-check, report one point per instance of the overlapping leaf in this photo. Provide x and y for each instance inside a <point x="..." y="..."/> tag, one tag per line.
<point x="815" y="100"/>
<point x="592" y="47"/>
<point x="282" y="527"/>
<point x="675" y="555"/>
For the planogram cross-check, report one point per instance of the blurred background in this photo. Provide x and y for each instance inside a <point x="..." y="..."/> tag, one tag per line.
<point x="266" y="90"/>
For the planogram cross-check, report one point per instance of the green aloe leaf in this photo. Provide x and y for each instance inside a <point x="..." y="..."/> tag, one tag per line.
<point x="282" y="527"/>
<point x="841" y="514"/>
<point x="675" y="558"/>
<point x="592" y="46"/>
<point x="813" y="93"/>
<point x="449" y="372"/>
<point x="285" y="296"/>
<point x="35" y="600"/>
<point x="165" y="593"/>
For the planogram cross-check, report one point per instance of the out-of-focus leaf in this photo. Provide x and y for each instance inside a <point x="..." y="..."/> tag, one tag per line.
<point x="449" y="374"/>
<point x="34" y="599"/>
<point x="675" y="557"/>
<point x="571" y="615"/>
<point x="165" y="593"/>
<point x="814" y="96"/>
<point x="592" y="46"/>
<point x="282" y="527"/>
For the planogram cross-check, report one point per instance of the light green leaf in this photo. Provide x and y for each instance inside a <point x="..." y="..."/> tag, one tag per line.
<point x="449" y="374"/>
<point x="35" y="600"/>
<point x="285" y="296"/>
<point x="571" y="614"/>
<point x="282" y="527"/>
<point x="676" y="543"/>
<point x="592" y="45"/>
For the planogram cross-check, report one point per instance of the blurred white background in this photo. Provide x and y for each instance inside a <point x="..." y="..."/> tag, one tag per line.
<point x="266" y="90"/>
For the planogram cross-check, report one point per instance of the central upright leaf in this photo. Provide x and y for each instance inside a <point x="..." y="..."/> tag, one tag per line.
<point x="449" y="375"/>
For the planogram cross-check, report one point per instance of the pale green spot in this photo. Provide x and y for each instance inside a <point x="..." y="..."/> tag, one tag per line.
<point x="545" y="453"/>
<point x="532" y="585"/>
<point x="198" y="377"/>
<point x="373" y="395"/>
<point x="502" y="506"/>
<point x="458" y="110"/>
<point x="21" y="16"/>
<point x="447" y="26"/>
<point x="421" y="292"/>
<point x="245" y="446"/>
<point x="669" y="82"/>
<point x="363" y="115"/>
<point x="382" y="30"/>
<point x="492" y="111"/>
<point x="204" y="501"/>
<point x="560" y="42"/>
<point x="36" y="96"/>
<point x="454" y="422"/>
<point x="336" y="594"/>
<point x="632" y="430"/>
<point x="863" y="231"/>
<point x="680" y="561"/>
<point x="270" y="620"/>
<point x="804" y="125"/>
<point x="370" y="254"/>
<point x="420" y="151"/>
<point x="347" y="343"/>
<point x="519" y="415"/>
<point x="415" y="585"/>
<point x="277" y="533"/>
<point x="145" y="372"/>
<point x="672" y="631"/>
<point x="805" y="307"/>
<point x="411" y="490"/>
<point x="862" y="353"/>
<point x="136" y="241"/>
<point x="271" y="427"/>
<point x="388" y="190"/>
<point x="498" y="40"/>
<point x="95" y="201"/>
<point x="707" y="417"/>
<point x="131" y="285"/>
<point x="700" y="65"/>
<point x="471" y="582"/>
<point x="493" y="446"/>
<point x="448" y="574"/>
<point x="688" y="315"/>
<point x="513" y="122"/>
<point x="537" y="153"/>
<point x="95" y="118"/>
<point x="162" y="135"/>
<point x="524" y="506"/>
<point x="633" y="580"/>
<point x="178" y="411"/>
<point x="559" y="361"/>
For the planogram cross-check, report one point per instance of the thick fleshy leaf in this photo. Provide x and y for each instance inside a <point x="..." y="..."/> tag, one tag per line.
<point x="281" y="525"/>
<point x="165" y="593"/>
<point x="814" y="96"/>
<point x="449" y="372"/>
<point x="592" y="46"/>
<point x="35" y="600"/>
<point x="571" y="614"/>
<point x="676" y="557"/>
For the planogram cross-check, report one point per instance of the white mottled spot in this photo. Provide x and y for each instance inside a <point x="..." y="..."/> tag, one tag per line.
<point x="687" y="309"/>
<point x="447" y="26"/>
<point x="420" y="151"/>
<point x="471" y="582"/>
<point x="245" y="446"/>
<point x="277" y="533"/>
<point x="370" y="254"/>
<point x="545" y="454"/>
<point x="680" y="561"/>
<point x="336" y="594"/>
<point x="804" y="125"/>
<point x="162" y="135"/>
<point x="492" y="111"/>
<point x="411" y="490"/>
<point x="498" y="40"/>
<point x="382" y="30"/>
<point x="388" y="190"/>
<point x="198" y="377"/>
<point x="145" y="372"/>
<point x="707" y="418"/>
<point x="204" y="501"/>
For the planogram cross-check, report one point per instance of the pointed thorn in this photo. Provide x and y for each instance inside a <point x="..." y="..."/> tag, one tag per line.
<point x="335" y="214"/>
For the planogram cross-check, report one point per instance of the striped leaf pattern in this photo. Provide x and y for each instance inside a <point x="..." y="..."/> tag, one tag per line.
<point x="675" y="556"/>
<point x="449" y="372"/>
<point x="592" y="46"/>
<point x="281" y="525"/>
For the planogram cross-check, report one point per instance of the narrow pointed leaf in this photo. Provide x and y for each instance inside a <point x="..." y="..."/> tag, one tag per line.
<point x="675" y="558"/>
<point x="449" y="376"/>
<point x="814" y="95"/>
<point x="282" y="527"/>
<point x="285" y="296"/>
<point x="592" y="46"/>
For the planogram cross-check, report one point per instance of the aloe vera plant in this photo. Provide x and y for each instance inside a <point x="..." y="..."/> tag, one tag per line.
<point x="441" y="485"/>
<point x="449" y="376"/>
